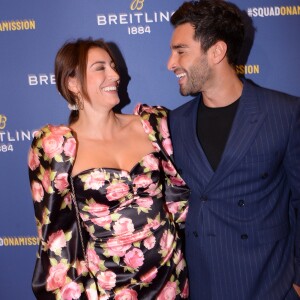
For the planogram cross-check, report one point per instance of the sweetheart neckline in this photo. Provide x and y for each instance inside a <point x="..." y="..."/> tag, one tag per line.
<point x="114" y="169"/>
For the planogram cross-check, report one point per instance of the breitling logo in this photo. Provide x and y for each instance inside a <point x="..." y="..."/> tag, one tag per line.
<point x="3" y="120"/>
<point x="138" y="22"/>
<point x="8" y="138"/>
<point x="137" y="4"/>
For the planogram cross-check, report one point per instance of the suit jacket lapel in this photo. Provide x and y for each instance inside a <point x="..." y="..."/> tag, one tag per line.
<point x="245" y="126"/>
<point x="196" y="152"/>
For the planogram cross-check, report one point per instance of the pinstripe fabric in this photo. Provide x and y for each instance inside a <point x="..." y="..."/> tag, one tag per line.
<point x="240" y="230"/>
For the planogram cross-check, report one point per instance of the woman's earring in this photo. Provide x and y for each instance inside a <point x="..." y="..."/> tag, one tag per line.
<point x="72" y="106"/>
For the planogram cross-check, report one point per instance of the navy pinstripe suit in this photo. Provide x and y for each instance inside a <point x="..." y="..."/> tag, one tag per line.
<point x="241" y="241"/>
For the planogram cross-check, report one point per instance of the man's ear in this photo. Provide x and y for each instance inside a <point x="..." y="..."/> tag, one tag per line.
<point x="219" y="50"/>
<point x="73" y="85"/>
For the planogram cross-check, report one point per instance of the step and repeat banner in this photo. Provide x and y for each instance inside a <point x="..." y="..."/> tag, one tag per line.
<point x="139" y="33"/>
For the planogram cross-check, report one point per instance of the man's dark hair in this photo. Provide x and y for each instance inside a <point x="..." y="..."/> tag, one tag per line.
<point x="213" y="20"/>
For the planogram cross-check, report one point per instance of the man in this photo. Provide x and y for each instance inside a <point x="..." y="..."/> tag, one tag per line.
<point x="237" y="146"/>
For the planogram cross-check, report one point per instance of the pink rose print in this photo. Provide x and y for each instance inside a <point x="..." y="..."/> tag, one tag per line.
<point x="145" y="202"/>
<point x="95" y="180"/>
<point x="126" y="294"/>
<point x="167" y="255"/>
<point x="123" y="226"/>
<point x="107" y="280"/>
<point x="180" y="266"/>
<point x="149" y="242"/>
<point x="156" y="146"/>
<point x="173" y="207"/>
<point x="46" y="182"/>
<point x="154" y="224"/>
<point x="153" y="189"/>
<point x="134" y="258"/>
<point x="147" y="126"/>
<point x="179" y="261"/>
<point x="97" y="209"/>
<point x="68" y="199"/>
<point x="37" y="191"/>
<point x="102" y="221"/>
<point x="56" y="241"/>
<point x="91" y="294"/>
<point x="116" y="191"/>
<point x="142" y="181"/>
<point x="61" y="181"/>
<point x="57" y="277"/>
<point x="134" y="237"/>
<point x="137" y="108"/>
<point x="185" y="292"/>
<point x="168" y="146"/>
<point x="93" y="259"/>
<point x="71" y="291"/>
<point x="124" y="174"/>
<point x="167" y="240"/>
<point x="183" y="215"/>
<point x="149" y="109"/>
<point x="169" y="168"/>
<point x="70" y="147"/>
<point x="125" y="203"/>
<point x="149" y="276"/>
<point x="81" y="267"/>
<point x="59" y="130"/>
<point x="150" y="162"/>
<point x="168" y="292"/>
<point x="164" y="128"/>
<point x="177" y="181"/>
<point x="116" y="247"/>
<point x="52" y="145"/>
<point x="33" y="160"/>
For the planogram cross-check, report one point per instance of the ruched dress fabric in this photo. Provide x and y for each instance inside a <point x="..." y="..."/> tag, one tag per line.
<point x="129" y="220"/>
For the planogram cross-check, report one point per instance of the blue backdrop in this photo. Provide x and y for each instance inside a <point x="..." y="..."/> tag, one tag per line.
<point x="139" y="31"/>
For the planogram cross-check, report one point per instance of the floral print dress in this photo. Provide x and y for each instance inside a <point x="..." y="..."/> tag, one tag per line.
<point x="129" y="220"/>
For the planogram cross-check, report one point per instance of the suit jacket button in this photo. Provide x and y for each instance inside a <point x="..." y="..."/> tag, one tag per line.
<point x="244" y="236"/>
<point x="195" y="233"/>
<point x="241" y="203"/>
<point x="264" y="175"/>
<point x="204" y="198"/>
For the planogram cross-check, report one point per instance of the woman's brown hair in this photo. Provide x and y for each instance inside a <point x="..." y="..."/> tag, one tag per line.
<point x="71" y="61"/>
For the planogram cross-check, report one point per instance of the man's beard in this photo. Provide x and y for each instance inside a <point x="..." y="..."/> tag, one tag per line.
<point x="197" y="76"/>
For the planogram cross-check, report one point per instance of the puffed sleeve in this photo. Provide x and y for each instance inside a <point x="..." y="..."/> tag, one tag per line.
<point x="57" y="273"/>
<point x="176" y="190"/>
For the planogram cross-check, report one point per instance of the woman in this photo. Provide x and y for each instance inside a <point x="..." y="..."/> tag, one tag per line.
<point x="106" y="194"/>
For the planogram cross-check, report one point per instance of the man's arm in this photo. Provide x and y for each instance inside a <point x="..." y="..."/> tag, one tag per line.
<point x="292" y="165"/>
